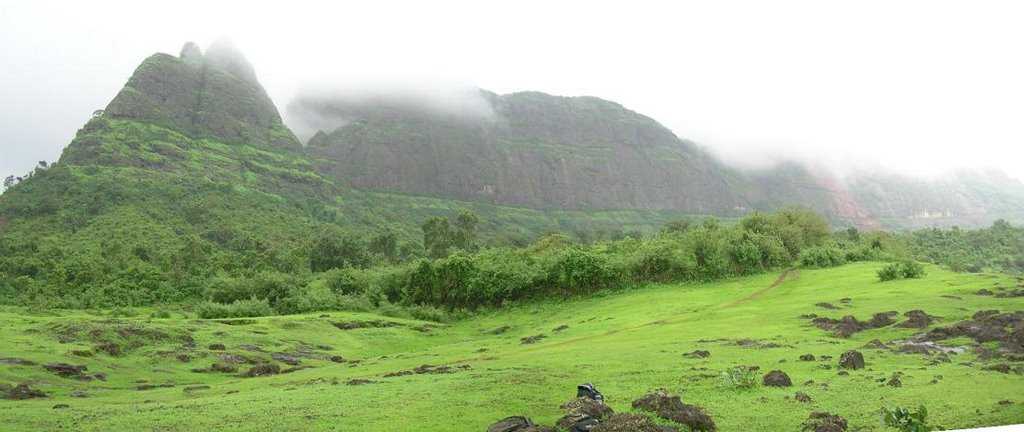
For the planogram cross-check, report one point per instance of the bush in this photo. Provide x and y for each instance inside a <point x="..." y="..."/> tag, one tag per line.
<point x="901" y="270"/>
<point x="578" y="271"/>
<point x="907" y="421"/>
<point x="822" y="257"/>
<point x="237" y="309"/>
<point x="740" y="377"/>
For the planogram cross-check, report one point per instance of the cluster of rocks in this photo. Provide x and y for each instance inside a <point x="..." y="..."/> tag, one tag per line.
<point x="428" y="369"/>
<point x="65" y="370"/>
<point x="589" y="414"/>
<point x="986" y="326"/>
<point x="848" y="325"/>
<point x="20" y="392"/>
<point x="824" y="422"/>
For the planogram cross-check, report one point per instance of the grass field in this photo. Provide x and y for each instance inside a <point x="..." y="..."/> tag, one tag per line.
<point x="626" y="343"/>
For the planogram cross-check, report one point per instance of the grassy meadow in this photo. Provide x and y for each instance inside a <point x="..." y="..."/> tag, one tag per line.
<point x="627" y="343"/>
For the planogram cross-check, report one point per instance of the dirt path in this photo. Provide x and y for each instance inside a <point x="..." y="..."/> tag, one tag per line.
<point x="793" y="272"/>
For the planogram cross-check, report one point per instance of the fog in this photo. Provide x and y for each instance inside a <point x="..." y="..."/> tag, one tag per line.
<point x="919" y="87"/>
<point x="327" y="106"/>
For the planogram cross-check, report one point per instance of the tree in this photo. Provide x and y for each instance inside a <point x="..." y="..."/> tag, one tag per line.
<point x="464" y="236"/>
<point x="9" y="181"/>
<point x="385" y="244"/>
<point x="333" y="251"/>
<point x="436" y="237"/>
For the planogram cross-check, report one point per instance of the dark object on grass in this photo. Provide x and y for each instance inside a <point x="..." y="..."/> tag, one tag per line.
<point x="21" y="392"/>
<point x="263" y="369"/>
<point x="851" y="360"/>
<point x="531" y="339"/>
<point x="671" y="407"/>
<point x="802" y="397"/>
<point x="824" y="422"/>
<point x="517" y="424"/>
<point x="698" y="354"/>
<point x="776" y="378"/>
<point x="217" y="347"/>
<point x="807" y="357"/>
<point x="588" y="391"/>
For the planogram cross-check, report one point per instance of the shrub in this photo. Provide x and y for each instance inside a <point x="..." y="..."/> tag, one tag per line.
<point x="740" y="377"/>
<point x="907" y="421"/>
<point x="346" y="281"/>
<point x="901" y="270"/>
<point x="579" y="271"/>
<point x="237" y="309"/>
<point x="822" y="257"/>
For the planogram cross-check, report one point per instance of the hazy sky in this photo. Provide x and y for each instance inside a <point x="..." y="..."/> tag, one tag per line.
<point x="923" y="86"/>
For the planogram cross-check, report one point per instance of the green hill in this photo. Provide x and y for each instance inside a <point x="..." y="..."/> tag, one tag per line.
<point x="627" y="343"/>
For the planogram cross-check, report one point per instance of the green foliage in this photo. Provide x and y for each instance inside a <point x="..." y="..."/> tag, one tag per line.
<point x="999" y="247"/>
<point x="906" y="420"/>
<point x="237" y="309"/>
<point x="822" y="257"/>
<point x="338" y="251"/>
<point x="901" y="270"/>
<point x="739" y="377"/>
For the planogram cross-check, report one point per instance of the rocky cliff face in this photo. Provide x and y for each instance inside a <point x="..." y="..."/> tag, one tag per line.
<point x="536" y="150"/>
<point x="583" y="153"/>
<point x="215" y="95"/>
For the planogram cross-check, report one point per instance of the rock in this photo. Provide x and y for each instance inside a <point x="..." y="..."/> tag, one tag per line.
<point x="337" y="359"/>
<point x="984" y="292"/>
<point x="824" y="422"/>
<point x="777" y="378"/>
<point x="499" y="330"/>
<point x="587" y="406"/>
<point x="16" y="361"/>
<point x="807" y="357"/>
<point x="560" y="328"/>
<point x="882" y="319"/>
<point x="628" y="422"/>
<point x="61" y="406"/>
<point x="359" y="381"/>
<point x="826" y="305"/>
<point x="217" y="347"/>
<point x="671" y="407"/>
<point x="22" y="392"/>
<point x="698" y="354"/>
<point x="802" y="397"/>
<point x="263" y="369"/>
<point x="112" y="349"/>
<point x="79" y="394"/>
<point x="851" y="360"/>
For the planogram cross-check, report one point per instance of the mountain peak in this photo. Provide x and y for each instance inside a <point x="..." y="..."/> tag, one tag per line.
<point x="213" y="95"/>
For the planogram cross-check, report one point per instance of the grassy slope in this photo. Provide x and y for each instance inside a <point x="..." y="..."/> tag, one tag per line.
<point x="626" y="343"/>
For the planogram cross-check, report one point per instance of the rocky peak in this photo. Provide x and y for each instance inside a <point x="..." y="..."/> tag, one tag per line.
<point x="215" y="95"/>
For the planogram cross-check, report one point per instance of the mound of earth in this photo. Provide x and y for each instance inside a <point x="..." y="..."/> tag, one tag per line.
<point x="824" y="422"/>
<point x="986" y="326"/>
<point x="671" y="407"/>
<point x="776" y="378"/>
<point x="916" y="319"/>
<point x="262" y="369"/>
<point x="628" y="422"/>
<point x="851" y="360"/>
<point x="20" y="392"/>
<point x="517" y="424"/>
<point x="848" y="325"/>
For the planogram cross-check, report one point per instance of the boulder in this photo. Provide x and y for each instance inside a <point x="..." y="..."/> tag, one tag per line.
<point x="671" y="407"/>
<point x="824" y="422"/>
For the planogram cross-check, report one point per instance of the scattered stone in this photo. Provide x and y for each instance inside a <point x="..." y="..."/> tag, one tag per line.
<point x="359" y="381"/>
<point x="79" y="394"/>
<point x="217" y="347"/>
<point x="851" y="360"/>
<point x="752" y="343"/>
<point x="587" y="406"/>
<point x="986" y="326"/>
<point x="16" y="361"/>
<point x="61" y="406"/>
<point x="824" y="422"/>
<point x="531" y="339"/>
<point x="517" y="424"/>
<point x="875" y="344"/>
<point x="21" y="392"/>
<point x="112" y="349"/>
<point x="263" y="369"/>
<point x="882" y="319"/>
<point x="671" y="407"/>
<point x="916" y="319"/>
<point x="252" y="348"/>
<point x="142" y="387"/>
<point x="353" y="325"/>
<point x="285" y="358"/>
<point x="499" y="330"/>
<point x="337" y="359"/>
<point x="628" y="422"/>
<point x="824" y="305"/>
<point x="65" y="370"/>
<point x="807" y="357"/>
<point x="1011" y="293"/>
<point x="845" y="300"/>
<point x="984" y="292"/>
<point x="777" y="378"/>
<point x="560" y="328"/>
<point x="894" y="380"/>
<point x="698" y="354"/>
<point x="802" y="397"/>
